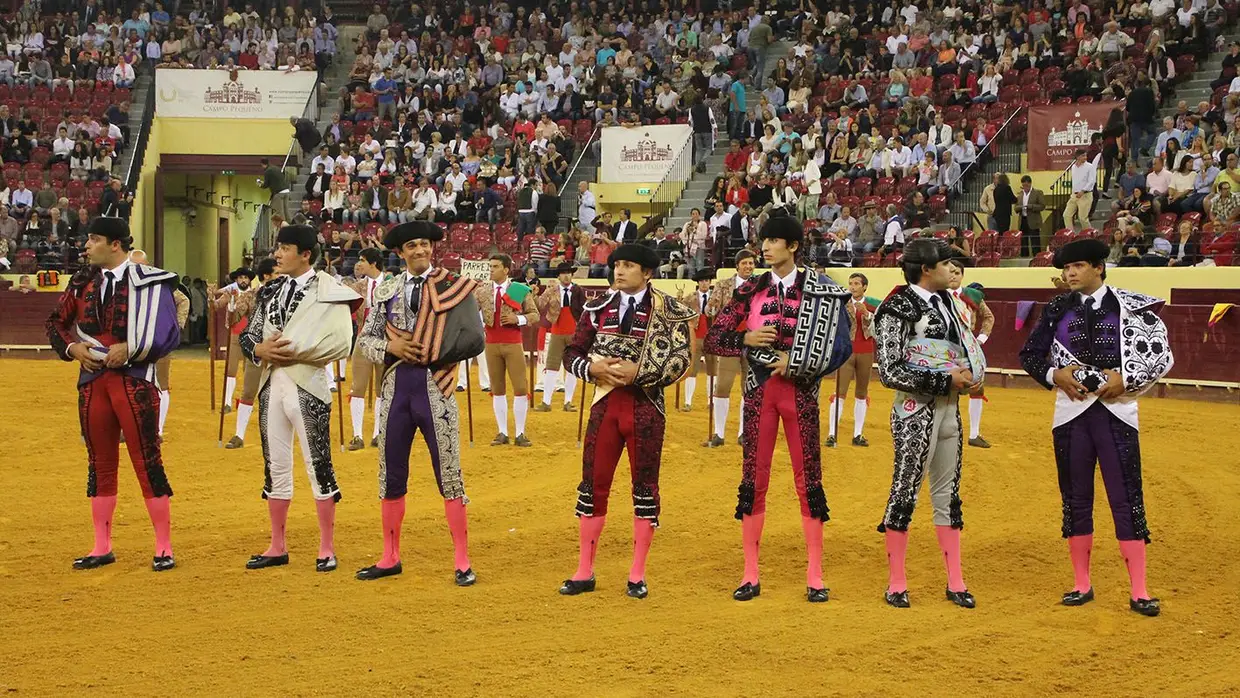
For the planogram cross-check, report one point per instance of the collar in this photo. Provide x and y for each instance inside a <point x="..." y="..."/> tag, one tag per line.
<point x="499" y="287"/>
<point x="118" y="272"/>
<point x="639" y="296"/>
<point x="424" y="275"/>
<point x="923" y="293"/>
<point x="304" y="279"/>
<point x="1098" y="295"/>
<point x="788" y="282"/>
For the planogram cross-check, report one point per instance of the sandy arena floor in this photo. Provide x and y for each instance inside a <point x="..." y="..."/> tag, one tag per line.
<point x="212" y="628"/>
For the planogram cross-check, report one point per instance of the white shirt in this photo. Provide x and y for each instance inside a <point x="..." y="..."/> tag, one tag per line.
<point x="407" y="279"/>
<point x="624" y="301"/>
<point x="1084" y="177"/>
<point x="117" y="274"/>
<point x="717" y="220"/>
<point x="893" y="233"/>
<point x="787" y="283"/>
<point x="1096" y="297"/>
<point x="328" y="162"/>
<point x="62" y="146"/>
<point x="926" y="296"/>
<point x="585" y="208"/>
<point x="667" y="100"/>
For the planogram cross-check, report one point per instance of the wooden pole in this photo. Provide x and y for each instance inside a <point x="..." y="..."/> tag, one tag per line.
<point x="581" y="413"/>
<point x="533" y="365"/>
<point x="710" y="407"/>
<point x="339" y="373"/>
<point x="227" y="358"/>
<point x="835" y="412"/>
<point x="211" y="348"/>
<point x="678" y="394"/>
<point x="469" y="402"/>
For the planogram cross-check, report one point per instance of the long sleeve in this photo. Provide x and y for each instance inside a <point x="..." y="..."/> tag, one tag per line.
<point x="373" y="340"/>
<point x="986" y="319"/>
<point x="182" y="304"/>
<point x="892" y="335"/>
<point x="60" y="324"/>
<point x="1157" y="363"/>
<point x="253" y="334"/>
<point x="1035" y="355"/>
<point x="723" y="338"/>
<point x="529" y="311"/>
<point x="577" y="353"/>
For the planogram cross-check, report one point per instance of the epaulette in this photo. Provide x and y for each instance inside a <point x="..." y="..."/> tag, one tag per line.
<point x="674" y="310"/>
<point x="82" y="277"/>
<point x="900" y="304"/>
<point x="1057" y="306"/>
<point x="388" y="288"/>
<point x="270" y="288"/>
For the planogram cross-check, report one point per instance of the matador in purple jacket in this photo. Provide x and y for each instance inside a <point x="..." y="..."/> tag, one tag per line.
<point x="117" y="319"/>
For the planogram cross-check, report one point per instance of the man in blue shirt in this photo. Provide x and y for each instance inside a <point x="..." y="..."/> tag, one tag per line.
<point x="736" y="108"/>
<point x="136" y="24"/>
<point x="1131" y="179"/>
<point x="605" y="53"/>
<point x="1169" y="131"/>
<point x="385" y="95"/>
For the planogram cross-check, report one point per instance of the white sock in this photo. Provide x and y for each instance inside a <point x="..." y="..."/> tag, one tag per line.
<point x="690" y="387"/>
<point x="331" y="372"/>
<point x="484" y="378"/>
<point x="570" y="387"/>
<point x="721" y="415"/>
<point x="164" y="398"/>
<point x="740" y="425"/>
<point x="549" y="385"/>
<point x="357" y="410"/>
<point x="975" y="417"/>
<point x="520" y="406"/>
<point x="243" y="419"/>
<point x="499" y="404"/>
<point x="229" y="385"/>
<point x="461" y="375"/>
<point x="835" y="414"/>
<point x="859" y="408"/>
<point x="378" y="416"/>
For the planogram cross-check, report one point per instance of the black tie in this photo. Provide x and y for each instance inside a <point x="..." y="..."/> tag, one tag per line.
<point x="415" y="294"/>
<point x="567" y="299"/>
<point x="702" y="307"/>
<point x="952" y="335"/>
<point x="1088" y="303"/>
<point x="288" y="297"/>
<point x="109" y="282"/>
<point x="626" y="318"/>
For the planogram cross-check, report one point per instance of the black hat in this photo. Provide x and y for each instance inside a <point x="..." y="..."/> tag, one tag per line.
<point x="782" y="227"/>
<point x="243" y="271"/>
<point x="704" y="275"/>
<point x="413" y="230"/>
<point x="114" y="229"/>
<point x="926" y="252"/>
<point x="565" y="268"/>
<point x="303" y="236"/>
<point x="1089" y="250"/>
<point x="638" y="254"/>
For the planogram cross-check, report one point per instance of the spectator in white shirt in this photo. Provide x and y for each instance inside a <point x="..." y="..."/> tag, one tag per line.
<point x="425" y="201"/>
<point x="963" y="151"/>
<point x="62" y="146"/>
<point x="893" y="231"/>
<point x="667" y="101"/>
<point x="1184" y="15"/>
<point x="988" y="86"/>
<point x="1084" y="181"/>
<point x="445" y="208"/>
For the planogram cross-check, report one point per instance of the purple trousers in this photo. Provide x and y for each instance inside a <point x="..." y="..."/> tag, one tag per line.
<point x="413" y="403"/>
<point x="1097" y="436"/>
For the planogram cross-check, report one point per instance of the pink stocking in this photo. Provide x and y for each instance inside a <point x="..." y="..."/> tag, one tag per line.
<point x="101" y="510"/>
<point x="591" y="528"/>
<point x="813" y="551"/>
<point x="1080" y="548"/>
<point x="643" y="535"/>
<point x="897" y="549"/>
<point x="1134" y="557"/>
<point x="278" y="510"/>
<point x="327" y="526"/>
<point x="161" y="520"/>
<point x="949" y="543"/>
<point x="751" y="537"/>
<point x="454" y="509"/>
<point x="393" y="512"/>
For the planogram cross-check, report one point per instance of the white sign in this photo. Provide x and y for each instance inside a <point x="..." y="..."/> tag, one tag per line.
<point x="477" y="269"/>
<point x="642" y="153"/>
<point x="239" y="94"/>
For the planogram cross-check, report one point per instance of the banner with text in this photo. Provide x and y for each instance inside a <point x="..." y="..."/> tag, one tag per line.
<point x="642" y="153"/>
<point x="239" y="94"/>
<point x="1056" y="131"/>
<point x="476" y="269"/>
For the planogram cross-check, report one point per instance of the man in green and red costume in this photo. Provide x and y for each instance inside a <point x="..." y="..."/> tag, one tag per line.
<point x="861" y="315"/>
<point x="506" y="307"/>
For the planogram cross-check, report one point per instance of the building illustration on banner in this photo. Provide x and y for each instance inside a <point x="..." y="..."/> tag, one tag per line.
<point x="1076" y="133"/>
<point x="232" y="92"/>
<point x="646" y="150"/>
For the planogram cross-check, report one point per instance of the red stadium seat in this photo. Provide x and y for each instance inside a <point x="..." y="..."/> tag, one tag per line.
<point x="1009" y="244"/>
<point x="988" y="260"/>
<point x="1042" y="259"/>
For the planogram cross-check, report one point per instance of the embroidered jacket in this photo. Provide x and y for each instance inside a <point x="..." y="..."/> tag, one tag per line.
<point x="904" y="326"/>
<point x="447" y="324"/>
<point x="1125" y="334"/>
<point x="141" y="312"/>
<point x="660" y="341"/>
<point x="816" y="337"/>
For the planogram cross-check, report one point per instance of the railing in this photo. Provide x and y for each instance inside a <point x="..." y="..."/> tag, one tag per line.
<point x="138" y="144"/>
<point x="664" y="197"/>
<point x="1061" y="190"/>
<point x="311" y="111"/>
<point x="264" y="237"/>
<point x="588" y="157"/>
<point x="964" y="203"/>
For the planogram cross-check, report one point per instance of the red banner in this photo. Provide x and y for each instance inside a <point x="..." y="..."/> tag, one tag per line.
<point x="1057" y="131"/>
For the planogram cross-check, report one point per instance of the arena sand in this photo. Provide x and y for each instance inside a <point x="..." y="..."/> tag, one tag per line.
<point x="212" y="628"/>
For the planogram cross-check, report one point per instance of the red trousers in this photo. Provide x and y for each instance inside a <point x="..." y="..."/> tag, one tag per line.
<point x="624" y="419"/>
<point x="107" y="406"/>
<point x="779" y="400"/>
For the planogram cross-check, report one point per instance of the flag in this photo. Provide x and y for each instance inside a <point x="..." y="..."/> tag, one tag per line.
<point x="1220" y="309"/>
<point x="1023" y="308"/>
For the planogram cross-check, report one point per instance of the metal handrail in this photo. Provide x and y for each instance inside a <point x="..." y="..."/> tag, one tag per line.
<point x="138" y="152"/>
<point x="262" y="238"/>
<point x="311" y="111"/>
<point x="595" y="135"/>
<point x="966" y="203"/>
<point x="662" y="202"/>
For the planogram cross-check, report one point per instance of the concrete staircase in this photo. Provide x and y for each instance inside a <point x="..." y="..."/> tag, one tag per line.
<point x="331" y="101"/>
<point x="138" y="117"/>
<point x="699" y="185"/>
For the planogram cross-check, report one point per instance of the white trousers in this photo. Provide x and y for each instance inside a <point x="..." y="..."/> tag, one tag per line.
<point x="285" y="411"/>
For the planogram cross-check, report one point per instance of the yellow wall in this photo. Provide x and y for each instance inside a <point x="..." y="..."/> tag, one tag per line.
<point x="191" y="246"/>
<point x="613" y="196"/>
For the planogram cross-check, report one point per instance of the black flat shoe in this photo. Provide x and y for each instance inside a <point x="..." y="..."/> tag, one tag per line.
<point x="897" y="599"/>
<point x="374" y="442"/>
<point x="573" y="587"/>
<point x="962" y="599"/>
<point x="466" y="578"/>
<point x="258" y="562"/>
<point x="712" y="442"/>
<point x="377" y="572"/>
<point x="1078" y="598"/>
<point x="637" y="590"/>
<point x="1146" y="607"/>
<point x="830" y="442"/>
<point x="860" y="441"/>
<point x="163" y="563"/>
<point x="325" y="564"/>
<point x="817" y="595"/>
<point x="747" y="591"/>
<point x="90" y="562"/>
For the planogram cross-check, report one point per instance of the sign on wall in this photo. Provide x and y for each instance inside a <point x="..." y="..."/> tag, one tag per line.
<point x="477" y="269"/>
<point x="1057" y="131"/>
<point x="641" y="153"/>
<point x="239" y="94"/>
